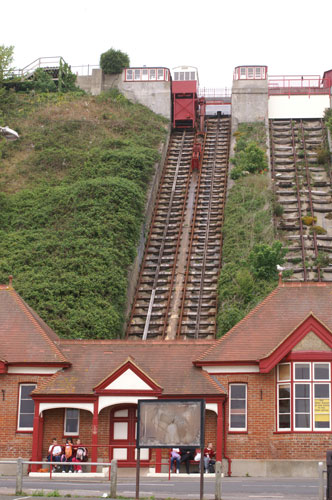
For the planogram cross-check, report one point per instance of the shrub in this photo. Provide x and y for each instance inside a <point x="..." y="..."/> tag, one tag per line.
<point x="42" y="81"/>
<point x="264" y="259"/>
<point x="318" y="230"/>
<point x="308" y="220"/>
<point x="251" y="159"/>
<point x="113" y="61"/>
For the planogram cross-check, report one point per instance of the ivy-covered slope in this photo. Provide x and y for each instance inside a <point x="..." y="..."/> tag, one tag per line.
<point x="72" y="194"/>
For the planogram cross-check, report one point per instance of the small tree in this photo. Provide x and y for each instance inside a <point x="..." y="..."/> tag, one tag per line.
<point x="6" y="59"/>
<point x="264" y="259"/>
<point x="113" y="61"/>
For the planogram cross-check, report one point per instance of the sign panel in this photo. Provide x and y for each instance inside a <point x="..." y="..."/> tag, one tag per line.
<point x="322" y="410"/>
<point x="170" y="423"/>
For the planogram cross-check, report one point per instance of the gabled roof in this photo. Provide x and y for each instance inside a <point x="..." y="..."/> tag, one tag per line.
<point x="128" y="378"/>
<point x="270" y="324"/>
<point x="24" y="336"/>
<point x="168" y="366"/>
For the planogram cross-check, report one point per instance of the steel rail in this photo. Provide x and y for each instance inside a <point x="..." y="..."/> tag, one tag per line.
<point x="170" y="151"/>
<point x="310" y="195"/>
<point x="163" y="241"/>
<point x="298" y="196"/>
<point x="176" y="253"/>
<point x="191" y="237"/>
<point x="207" y="230"/>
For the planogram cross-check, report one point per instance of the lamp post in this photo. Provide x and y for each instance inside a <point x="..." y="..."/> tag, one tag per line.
<point x="9" y="134"/>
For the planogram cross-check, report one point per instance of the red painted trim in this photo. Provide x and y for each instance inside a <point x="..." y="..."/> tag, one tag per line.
<point x="128" y="392"/>
<point x="3" y="367"/>
<point x="158" y="460"/>
<point x="94" y="453"/>
<point x="308" y="325"/>
<point x="40" y="437"/>
<point x="35" y="437"/>
<point x="219" y="443"/>
<point x="23" y="432"/>
<point x="100" y="388"/>
<point x="309" y="356"/>
<point x="64" y="398"/>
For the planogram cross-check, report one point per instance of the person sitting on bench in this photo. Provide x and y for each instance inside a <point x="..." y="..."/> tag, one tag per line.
<point x="187" y="454"/>
<point x="175" y="458"/>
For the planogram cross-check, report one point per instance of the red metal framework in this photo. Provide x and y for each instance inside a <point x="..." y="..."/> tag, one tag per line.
<point x="299" y="85"/>
<point x="185" y="103"/>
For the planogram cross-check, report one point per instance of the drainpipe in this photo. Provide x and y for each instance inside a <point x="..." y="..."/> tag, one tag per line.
<point x="225" y="443"/>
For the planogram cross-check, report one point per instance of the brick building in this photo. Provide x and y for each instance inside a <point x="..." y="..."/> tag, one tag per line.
<point x="266" y="385"/>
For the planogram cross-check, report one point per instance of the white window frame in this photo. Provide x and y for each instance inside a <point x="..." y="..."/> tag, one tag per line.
<point x="129" y="75"/>
<point x="309" y="428"/>
<point x="302" y="379"/>
<point x="19" y="407"/>
<point x="312" y="381"/>
<point x="65" y="433"/>
<point x="238" y="429"/>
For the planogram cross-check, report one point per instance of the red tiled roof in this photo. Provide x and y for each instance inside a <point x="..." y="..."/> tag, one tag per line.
<point x="270" y="323"/>
<point x="169" y="364"/>
<point x="24" y="337"/>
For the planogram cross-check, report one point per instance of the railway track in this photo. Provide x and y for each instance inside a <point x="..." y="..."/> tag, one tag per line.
<point x="302" y="186"/>
<point x="176" y="296"/>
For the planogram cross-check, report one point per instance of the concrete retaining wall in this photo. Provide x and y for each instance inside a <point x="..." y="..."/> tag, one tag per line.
<point x="155" y="95"/>
<point x="273" y="468"/>
<point x="298" y="106"/>
<point x="249" y="102"/>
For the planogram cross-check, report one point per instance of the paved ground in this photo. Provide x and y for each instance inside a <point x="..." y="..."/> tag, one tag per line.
<point x="178" y="488"/>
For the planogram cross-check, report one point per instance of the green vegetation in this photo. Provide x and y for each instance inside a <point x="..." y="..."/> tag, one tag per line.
<point x="250" y="251"/>
<point x="6" y="60"/>
<point x="72" y="194"/>
<point x="113" y="61"/>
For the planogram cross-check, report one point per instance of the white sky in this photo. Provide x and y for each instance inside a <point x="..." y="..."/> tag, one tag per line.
<point x="289" y="36"/>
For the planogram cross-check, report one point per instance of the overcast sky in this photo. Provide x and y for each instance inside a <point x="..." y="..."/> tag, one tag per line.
<point x="289" y="36"/>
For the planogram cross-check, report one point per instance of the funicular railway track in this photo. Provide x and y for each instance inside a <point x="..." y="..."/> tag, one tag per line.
<point x="302" y="187"/>
<point x="177" y="288"/>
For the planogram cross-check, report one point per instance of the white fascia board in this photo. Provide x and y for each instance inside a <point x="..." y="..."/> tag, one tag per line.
<point x="105" y="401"/>
<point x="52" y="406"/>
<point x="35" y="370"/>
<point x="212" y="407"/>
<point x="231" y="369"/>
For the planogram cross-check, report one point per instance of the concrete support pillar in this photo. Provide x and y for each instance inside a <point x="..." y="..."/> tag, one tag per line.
<point x="35" y="437"/>
<point x="158" y="460"/>
<point x="94" y="454"/>
<point x="219" y="443"/>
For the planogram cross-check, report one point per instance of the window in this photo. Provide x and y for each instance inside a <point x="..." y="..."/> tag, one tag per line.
<point x="129" y="74"/>
<point x="160" y="74"/>
<point x="250" y="72"/>
<point x="304" y="401"/>
<point x="72" y="421"/>
<point x="152" y="74"/>
<point x="26" y="409"/>
<point x="137" y="74"/>
<point x="238" y="407"/>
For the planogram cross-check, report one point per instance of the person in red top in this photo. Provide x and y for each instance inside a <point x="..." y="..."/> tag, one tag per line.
<point x="209" y="455"/>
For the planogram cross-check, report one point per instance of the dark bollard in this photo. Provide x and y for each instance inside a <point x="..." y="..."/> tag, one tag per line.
<point x="329" y="475"/>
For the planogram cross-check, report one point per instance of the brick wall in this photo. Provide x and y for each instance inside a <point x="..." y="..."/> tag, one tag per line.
<point x="261" y="440"/>
<point x="14" y="444"/>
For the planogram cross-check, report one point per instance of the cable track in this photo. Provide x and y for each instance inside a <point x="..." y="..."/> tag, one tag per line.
<point x="303" y="187"/>
<point x="176" y="296"/>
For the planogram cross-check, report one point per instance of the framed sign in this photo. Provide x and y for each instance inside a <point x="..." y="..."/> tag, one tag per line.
<point x="170" y="423"/>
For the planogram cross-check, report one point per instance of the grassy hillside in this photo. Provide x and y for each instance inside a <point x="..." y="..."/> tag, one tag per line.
<point x="72" y="193"/>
